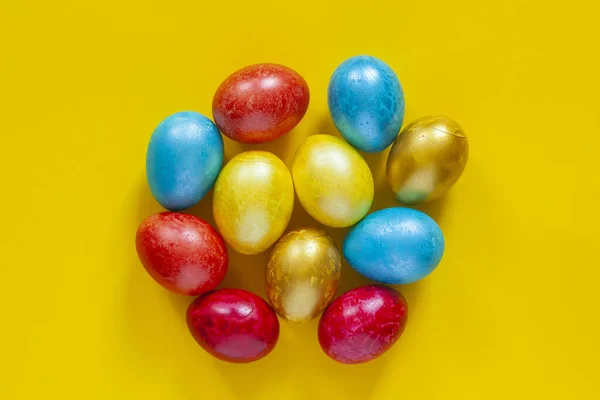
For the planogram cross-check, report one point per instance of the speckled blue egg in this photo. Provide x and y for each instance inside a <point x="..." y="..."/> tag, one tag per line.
<point x="366" y="103"/>
<point x="184" y="158"/>
<point x="395" y="245"/>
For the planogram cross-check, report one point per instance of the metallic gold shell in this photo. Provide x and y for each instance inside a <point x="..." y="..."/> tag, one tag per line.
<point x="426" y="159"/>
<point x="303" y="274"/>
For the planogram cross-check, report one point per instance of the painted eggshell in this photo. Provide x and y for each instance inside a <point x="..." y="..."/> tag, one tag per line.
<point x="233" y="325"/>
<point x="183" y="160"/>
<point x="426" y="159"/>
<point x="362" y="324"/>
<point x="395" y="245"/>
<point x="366" y="103"/>
<point x="259" y="103"/>
<point x="303" y="274"/>
<point x="332" y="180"/>
<point x="182" y="252"/>
<point x="253" y="201"/>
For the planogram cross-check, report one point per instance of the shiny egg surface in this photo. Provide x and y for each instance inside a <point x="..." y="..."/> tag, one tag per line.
<point x="260" y="103"/>
<point x="362" y="324"/>
<point x="182" y="252"/>
<point x="183" y="160"/>
<point x="366" y="103"/>
<point x="426" y="159"/>
<point x="233" y="325"/>
<point x="303" y="274"/>
<point x="253" y="201"/>
<point x="395" y="245"/>
<point x="333" y="182"/>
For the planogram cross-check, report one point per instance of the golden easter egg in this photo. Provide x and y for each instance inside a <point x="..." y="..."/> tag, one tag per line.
<point x="332" y="180"/>
<point x="426" y="159"/>
<point x="303" y="274"/>
<point x="253" y="201"/>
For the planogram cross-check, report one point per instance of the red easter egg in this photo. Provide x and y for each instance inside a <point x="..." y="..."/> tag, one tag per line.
<point x="233" y="325"/>
<point x="362" y="324"/>
<point x="259" y="103"/>
<point x="182" y="252"/>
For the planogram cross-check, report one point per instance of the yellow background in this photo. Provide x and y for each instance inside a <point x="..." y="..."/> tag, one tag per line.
<point x="512" y="310"/>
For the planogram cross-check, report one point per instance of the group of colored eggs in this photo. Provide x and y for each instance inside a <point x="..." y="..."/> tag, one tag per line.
<point x="253" y="200"/>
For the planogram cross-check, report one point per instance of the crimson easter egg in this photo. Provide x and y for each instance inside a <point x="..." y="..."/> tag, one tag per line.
<point x="233" y="325"/>
<point x="182" y="252"/>
<point x="362" y="324"/>
<point x="259" y="103"/>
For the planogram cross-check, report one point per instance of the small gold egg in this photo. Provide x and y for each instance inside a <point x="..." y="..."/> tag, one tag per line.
<point x="426" y="159"/>
<point x="303" y="274"/>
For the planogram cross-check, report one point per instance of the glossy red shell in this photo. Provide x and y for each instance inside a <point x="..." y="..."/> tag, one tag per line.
<point x="259" y="103"/>
<point x="182" y="252"/>
<point x="362" y="324"/>
<point x="233" y="325"/>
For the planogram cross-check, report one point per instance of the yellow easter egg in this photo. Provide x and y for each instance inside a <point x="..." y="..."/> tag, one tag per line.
<point x="332" y="180"/>
<point x="426" y="159"/>
<point x="303" y="274"/>
<point x="253" y="201"/>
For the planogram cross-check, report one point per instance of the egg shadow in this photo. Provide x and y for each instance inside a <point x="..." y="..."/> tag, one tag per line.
<point x="243" y="271"/>
<point x="146" y="205"/>
<point x="145" y="311"/>
<point x="145" y="306"/>
<point x="326" y="126"/>
<point x="434" y="208"/>
<point x="296" y="360"/>
<point x="283" y="147"/>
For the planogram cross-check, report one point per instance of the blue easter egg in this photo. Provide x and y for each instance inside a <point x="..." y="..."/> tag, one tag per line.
<point x="184" y="158"/>
<point x="366" y="103"/>
<point x="395" y="245"/>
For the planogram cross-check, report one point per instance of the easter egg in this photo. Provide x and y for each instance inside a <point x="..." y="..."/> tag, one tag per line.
<point x="362" y="324"/>
<point x="253" y="201"/>
<point x="332" y="180"/>
<point x="303" y="274"/>
<point x="259" y="103"/>
<point x="182" y="252"/>
<point x="233" y="325"/>
<point x="366" y="103"/>
<point x="183" y="160"/>
<point x="395" y="245"/>
<point x="426" y="159"/>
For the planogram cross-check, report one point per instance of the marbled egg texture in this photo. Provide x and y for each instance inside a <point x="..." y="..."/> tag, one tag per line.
<point x="395" y="245"/>
<point x="362" y="324"/>
<point x="366" y="103"/>
<point x="184" y="158"/>
<point x="233" y="325"/>
<point x="259" y="103"/>
<point x="182" y="252"/>
<point x="426" y="159"/>
<point x="332" y="180"/>
<point x="303" y="274"/>
<point x="253" y="201"/>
